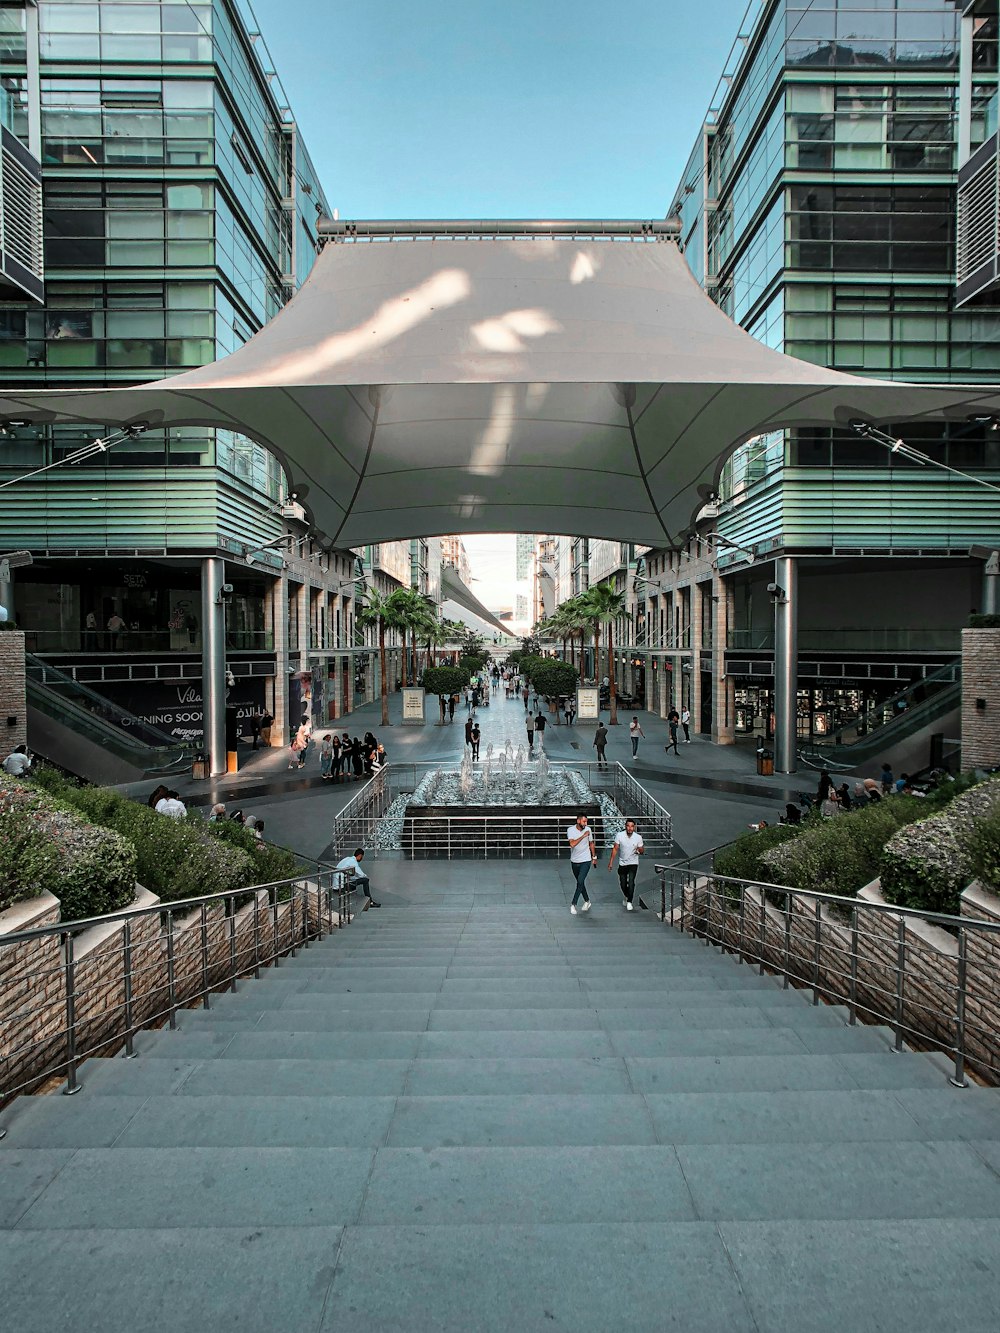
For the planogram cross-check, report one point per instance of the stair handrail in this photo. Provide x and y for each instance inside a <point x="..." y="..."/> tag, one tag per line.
<point x="716" y="907"/>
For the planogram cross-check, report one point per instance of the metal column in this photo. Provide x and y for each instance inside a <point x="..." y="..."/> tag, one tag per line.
<point x="213" y="663"/>
<point x="991" y="577"/>
<point x="786" y="663"/>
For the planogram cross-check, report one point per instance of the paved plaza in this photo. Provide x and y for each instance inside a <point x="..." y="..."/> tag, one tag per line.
<point x="712" y="791"/>
<point x="487" y="1114"/>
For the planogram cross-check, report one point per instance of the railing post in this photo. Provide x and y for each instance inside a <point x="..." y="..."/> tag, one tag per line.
<point x="817" y="941"/>
<point x="708" y="915"/>
<point x="274" y="927"/>
<point x="683" y="902"/>
<point x="69" y="977"/>
<point x="292" y="925"/>
<point x="127" y="987"/>
<point x="743" y="922"/>
<point x="663" y="894"/>
<point x="958" y="1079"/>
<point x="231" y="904"/>
<point x="305" y="914"/>
<point x="788" y="939"/>
<point x="852" y="1008"/>
<point x="256" y="936"/>
<point x="171" y="979"/>
<point x="900" y="979"/>
<point x="205" y="987"/>
<point x="763" y="929"/>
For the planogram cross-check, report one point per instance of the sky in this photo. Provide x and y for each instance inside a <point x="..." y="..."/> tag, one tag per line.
<point x="468" y="109"/>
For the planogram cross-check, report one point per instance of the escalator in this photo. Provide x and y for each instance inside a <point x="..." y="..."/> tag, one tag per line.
<point x="897" y="729"/>
<point x="80" y="731"/>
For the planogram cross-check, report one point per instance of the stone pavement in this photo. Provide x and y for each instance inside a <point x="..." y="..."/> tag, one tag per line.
<point x="472" y="1111"/>
<point x="711" y="791"/>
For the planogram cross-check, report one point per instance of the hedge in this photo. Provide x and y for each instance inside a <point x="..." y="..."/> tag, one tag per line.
<point x="742" y="859"/>
<point x="174" y="858"/>
<point x="46" y="847"/>
<point x="842" y="854"/>
<point x="929" y="863"/>
<point x="984" y="620"/>
<point x="985" y="850"/>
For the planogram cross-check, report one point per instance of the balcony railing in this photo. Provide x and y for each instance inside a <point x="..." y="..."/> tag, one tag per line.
<point x="42" y="641"/>
<point x="876" y="640"/>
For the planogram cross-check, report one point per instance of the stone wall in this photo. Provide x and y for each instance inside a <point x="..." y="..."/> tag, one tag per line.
<point x="980" y="686"/>
<point x="815" y="948"/>
<point x="12" y="697"/>
<point x="206" y="946"/>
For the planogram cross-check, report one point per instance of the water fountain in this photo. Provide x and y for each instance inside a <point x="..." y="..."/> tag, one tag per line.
<point x="519" y="805"/>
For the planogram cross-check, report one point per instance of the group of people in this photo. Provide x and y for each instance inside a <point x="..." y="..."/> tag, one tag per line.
<point x="832" y="799"/>
<point x="342" y="758"/>
<point x="627" y="846"/>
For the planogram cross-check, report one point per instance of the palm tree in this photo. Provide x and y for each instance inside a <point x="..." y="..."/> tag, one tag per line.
<point x="408" y="609"/>
<point x="574" y="620"/>
<point x="604" y="605"/>
<point x="376" y="609"/>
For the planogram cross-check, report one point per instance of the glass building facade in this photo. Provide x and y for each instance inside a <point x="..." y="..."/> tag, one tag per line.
<point x="818" y="208"/>
<point x="180" y="212"/>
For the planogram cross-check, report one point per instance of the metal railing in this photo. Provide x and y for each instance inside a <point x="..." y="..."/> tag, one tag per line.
<point x="102" y="641"/>
<point x="853" y="952"/>
<point x="66" y="1001"/>
<point x="356" y="824"/>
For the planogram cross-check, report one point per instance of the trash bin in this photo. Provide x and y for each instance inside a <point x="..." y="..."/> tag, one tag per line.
<point x="765" y="763"/>
<point x="199" y="766"/>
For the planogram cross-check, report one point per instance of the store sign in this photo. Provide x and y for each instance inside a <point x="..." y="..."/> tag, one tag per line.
<point x="413" y="707"/>
<point x="177" y="709"/>
<point x="588" y="703"/>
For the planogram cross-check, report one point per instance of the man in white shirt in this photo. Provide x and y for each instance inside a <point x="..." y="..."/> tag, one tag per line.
<point x="18" y="762"/>
<point x="582" y="855"/>
<point x="351" y="865"/>
<point x="686" y="724"/>
<point x="636" y="734"/>
<point x="628" y="847"/>
<point x="171" y="805"/>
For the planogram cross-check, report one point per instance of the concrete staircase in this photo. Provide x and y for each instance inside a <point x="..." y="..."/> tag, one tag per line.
<point x="505" y="1118"/>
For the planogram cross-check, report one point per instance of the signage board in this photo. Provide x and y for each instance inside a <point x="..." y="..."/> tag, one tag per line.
<point x="588" y="703"/>
<point x="413" y="706"/>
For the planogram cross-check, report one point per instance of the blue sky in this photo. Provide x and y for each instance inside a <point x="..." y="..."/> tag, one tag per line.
<point x="533" y="108"/>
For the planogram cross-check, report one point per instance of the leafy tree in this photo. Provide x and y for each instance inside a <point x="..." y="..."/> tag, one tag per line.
<point x="471" y="663"/>
<point x="553" y="678"/>
<point x="444" y="681"/>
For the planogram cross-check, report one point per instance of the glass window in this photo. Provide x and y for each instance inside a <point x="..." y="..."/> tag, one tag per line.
<point x="69" y="18"/>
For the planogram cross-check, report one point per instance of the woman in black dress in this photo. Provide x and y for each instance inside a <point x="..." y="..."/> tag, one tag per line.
<point x="357" y="757"/>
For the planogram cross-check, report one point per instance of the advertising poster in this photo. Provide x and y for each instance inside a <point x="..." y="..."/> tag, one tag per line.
<point x="588" y="703"/>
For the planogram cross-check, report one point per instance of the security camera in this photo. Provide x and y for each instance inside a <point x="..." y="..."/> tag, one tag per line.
<point x="226" y="589"/>
<point x="773" y="589"/>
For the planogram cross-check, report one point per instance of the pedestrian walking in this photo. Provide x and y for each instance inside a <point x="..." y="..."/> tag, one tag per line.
<point x="600" y="744"/>
<point x="524" y="695"/>
<point x="298" y="747"/>
<point x="628" y="847"/>
<point x="582" y="857"/>
<point x="673" y="720"/>
<point x="350" y="866"/>
<point x="686" y="724"/>
<point x="469" y="724"/>
<point x="540" y="723"/>
<point x="255" y="718"/>
<point x="530" y="727"/>
<point x="476" y="736"/>
<point x="452" y="700"/>
<point x="326" y="758"/>
<point x="635" y="735"/>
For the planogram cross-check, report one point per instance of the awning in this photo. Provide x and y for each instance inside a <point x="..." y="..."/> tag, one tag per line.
<point x="415" y="387"/>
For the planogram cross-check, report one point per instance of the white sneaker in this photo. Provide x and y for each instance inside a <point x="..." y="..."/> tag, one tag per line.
<point x="629" y="907"/>
<point x="586" y="906"/>
<point x="572" y="909"/>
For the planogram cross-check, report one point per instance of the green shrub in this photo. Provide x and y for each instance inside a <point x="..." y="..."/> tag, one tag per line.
<point x="270" y="863"/>
<point x="985" y="850"/>
<point x="741" y="859"/>
<point x="842" y="854"/>
<point x="984" y="620"/>
<point x="93" y="870"/>
<point x="553" y="677"/>
<point x="28" y="860"/>
<point x="929" y="863"/>
<point x="471" y="663"/>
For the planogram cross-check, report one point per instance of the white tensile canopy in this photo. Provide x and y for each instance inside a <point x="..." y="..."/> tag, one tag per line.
<point x="457" y="382"/>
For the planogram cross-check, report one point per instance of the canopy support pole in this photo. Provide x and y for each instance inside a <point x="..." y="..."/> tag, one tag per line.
<point x="786" y="662"/>
<point x="213" y="663"/>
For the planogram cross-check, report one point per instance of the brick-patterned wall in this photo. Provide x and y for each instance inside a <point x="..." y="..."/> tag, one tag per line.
<point x="980" y="680"/>
<point x="12" y="701"/>
<point x="931" y="959"/>
<point x="206" y="944"/>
